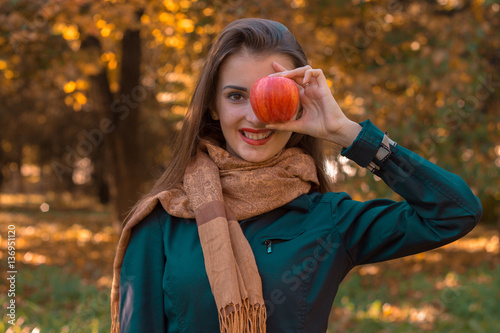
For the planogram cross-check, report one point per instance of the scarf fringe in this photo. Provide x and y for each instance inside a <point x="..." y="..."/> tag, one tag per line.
<point x="115" y="323"/>
<point x="243" y="319"/>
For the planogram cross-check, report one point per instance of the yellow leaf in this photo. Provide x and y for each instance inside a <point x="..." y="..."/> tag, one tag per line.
<point x="8" y="74"/>
<point x="69" y="87"/>
<point x="198" y="47"/>
<point x="82" y="84"/>
<point x="80" y="98"/>
<point x="68" y="100"/>
<point x="156" y="32"/>
<point x="187" y="25"/>
<point x="167" y="18"/>
<point x="145" y="19"/>
<point x="71" y="33"/>
<point x="105" y="31"/>
<point x="171" y="6"/>
<point x="100" y="24"/>
<point x="185" y="4"/>
<point x="208" y="11"/>
<point x="112" y="64"/>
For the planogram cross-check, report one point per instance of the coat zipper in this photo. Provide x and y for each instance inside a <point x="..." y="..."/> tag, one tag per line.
<point x="268" y="242"/>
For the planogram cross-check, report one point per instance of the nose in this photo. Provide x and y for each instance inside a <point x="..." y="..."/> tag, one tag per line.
<point x="252" y="118"/>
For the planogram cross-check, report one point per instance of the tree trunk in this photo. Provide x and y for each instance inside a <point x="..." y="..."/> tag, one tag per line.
<point x="119" y="125"/>
<point x="126" y="153"/>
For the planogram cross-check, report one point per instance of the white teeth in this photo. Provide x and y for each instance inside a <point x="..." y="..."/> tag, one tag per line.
<point x="257" y="136"/>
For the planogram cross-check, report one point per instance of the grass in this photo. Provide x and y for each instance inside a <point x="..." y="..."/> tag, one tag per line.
<point x="49" y="299"/>
<point x="465" y="302"/>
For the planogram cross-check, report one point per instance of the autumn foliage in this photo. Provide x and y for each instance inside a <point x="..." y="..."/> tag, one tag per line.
<point x="93" y="92"/>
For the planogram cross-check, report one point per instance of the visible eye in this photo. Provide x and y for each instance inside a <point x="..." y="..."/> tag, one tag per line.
<point x="235" y="96"/>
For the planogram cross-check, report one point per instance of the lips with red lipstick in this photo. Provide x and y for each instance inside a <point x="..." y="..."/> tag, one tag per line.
<point x="256" y="137"/>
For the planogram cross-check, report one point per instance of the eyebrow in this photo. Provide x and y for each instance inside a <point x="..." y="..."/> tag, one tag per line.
<point x="235" y="87"/>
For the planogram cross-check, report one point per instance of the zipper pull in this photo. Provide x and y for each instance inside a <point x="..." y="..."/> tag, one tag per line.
<point x="268" y="242"/>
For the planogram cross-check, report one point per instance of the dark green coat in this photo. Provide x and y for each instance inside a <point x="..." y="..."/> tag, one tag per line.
<point x="303" y="250"/>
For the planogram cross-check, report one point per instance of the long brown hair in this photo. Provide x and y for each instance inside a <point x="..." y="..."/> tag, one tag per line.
<point x="257" y="36"/>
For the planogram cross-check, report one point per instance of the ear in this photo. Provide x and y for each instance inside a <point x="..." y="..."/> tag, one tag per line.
<point x="214" y="115"/>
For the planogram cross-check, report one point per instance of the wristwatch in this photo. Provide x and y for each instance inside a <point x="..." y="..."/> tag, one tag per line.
<point x="383" y="154"/>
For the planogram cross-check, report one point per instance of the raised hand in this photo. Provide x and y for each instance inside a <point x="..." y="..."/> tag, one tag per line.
<point x="321" y="116"/>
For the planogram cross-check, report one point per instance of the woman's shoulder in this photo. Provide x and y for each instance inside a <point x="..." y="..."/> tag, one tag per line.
<point x="160" y="220"/>
<point x="153" y="222"/>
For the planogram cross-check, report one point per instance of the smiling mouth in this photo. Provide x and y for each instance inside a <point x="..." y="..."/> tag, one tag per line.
<point x="256" y="136"/>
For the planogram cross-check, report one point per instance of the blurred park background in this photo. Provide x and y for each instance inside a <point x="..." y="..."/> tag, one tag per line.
<point x="92" y="94"/>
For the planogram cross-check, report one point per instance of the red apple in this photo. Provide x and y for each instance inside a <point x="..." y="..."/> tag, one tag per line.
<point x="274" y="99"/>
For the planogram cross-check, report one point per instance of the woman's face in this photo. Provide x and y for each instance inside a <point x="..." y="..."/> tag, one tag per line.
<point x="246" y="137"/>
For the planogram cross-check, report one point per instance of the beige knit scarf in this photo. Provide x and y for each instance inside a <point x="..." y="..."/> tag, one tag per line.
<point x="218" y="190"/>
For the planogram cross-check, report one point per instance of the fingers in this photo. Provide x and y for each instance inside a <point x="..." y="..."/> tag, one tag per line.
<point x="311" y="73"/>
<point x="302" y="76"/>
<point x="283" y="72"/>
<point x="290" y="126"/>
<point x="279" y="126"/>
<point x="278" y="68"/>
<point x="293" y="73"/>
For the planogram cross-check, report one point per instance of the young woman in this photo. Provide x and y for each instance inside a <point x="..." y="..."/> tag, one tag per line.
<point x="241" y="232"/>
